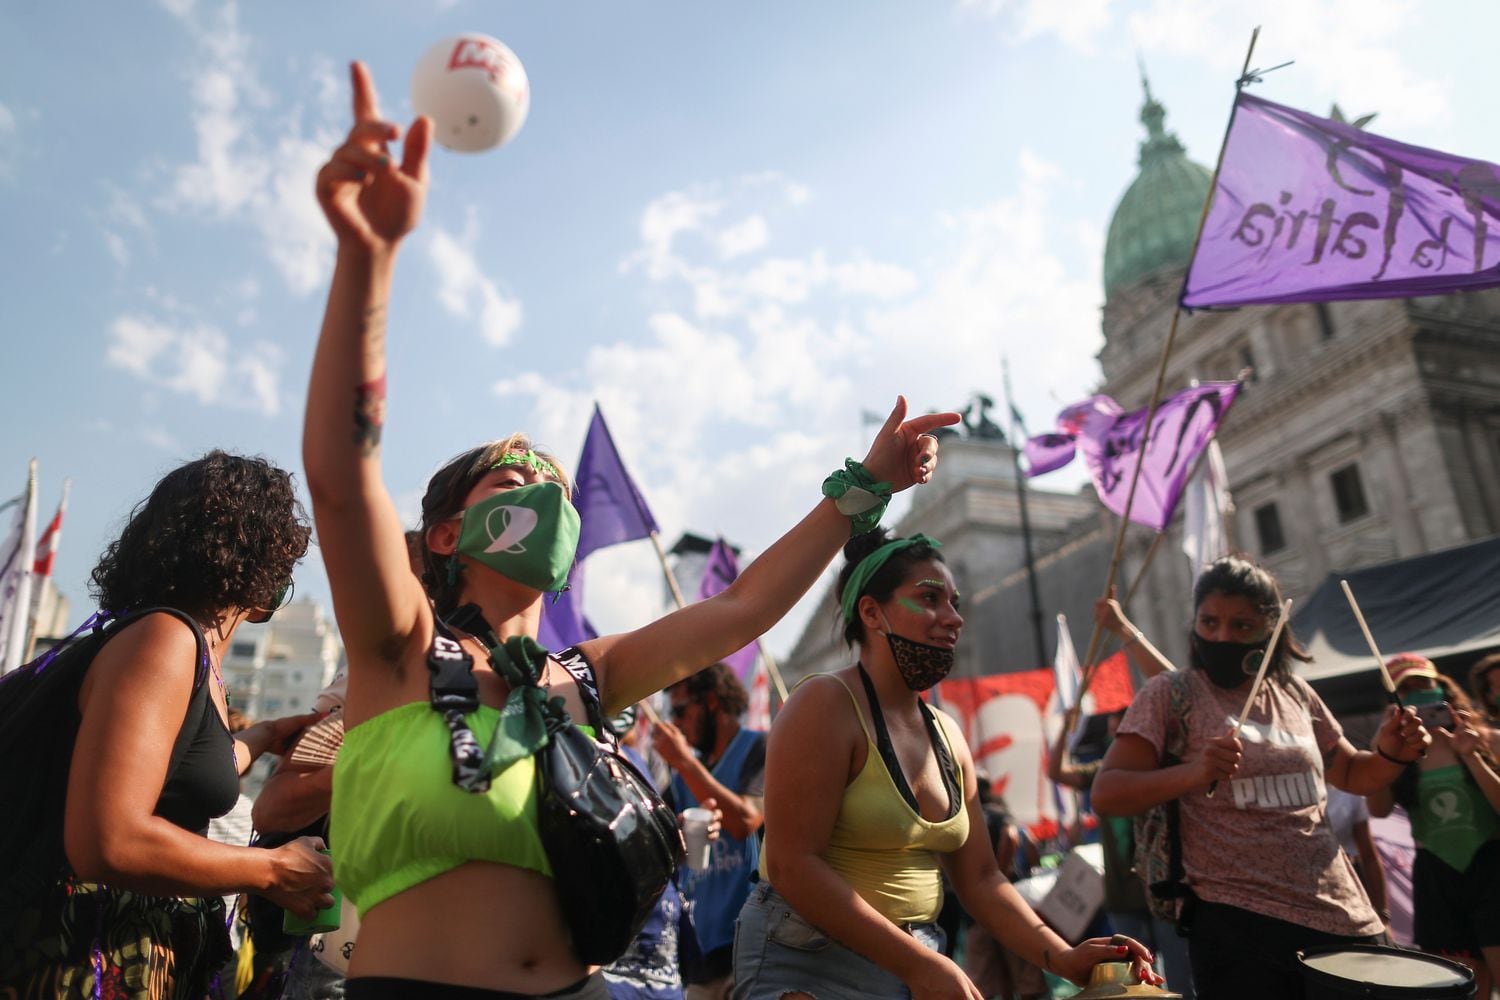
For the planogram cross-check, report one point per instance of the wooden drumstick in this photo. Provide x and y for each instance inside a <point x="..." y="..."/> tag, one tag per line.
<point x="1260" y="676"/>
<point x="1385" y="675"/>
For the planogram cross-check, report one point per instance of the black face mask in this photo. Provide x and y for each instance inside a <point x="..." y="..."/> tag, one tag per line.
<point x="1227" y="664"/>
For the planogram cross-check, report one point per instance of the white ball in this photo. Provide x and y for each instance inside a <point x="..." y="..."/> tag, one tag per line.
<point x="475" y="91"/>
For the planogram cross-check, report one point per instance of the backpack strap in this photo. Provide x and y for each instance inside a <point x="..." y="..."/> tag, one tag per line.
<point x="1179" y="708"/>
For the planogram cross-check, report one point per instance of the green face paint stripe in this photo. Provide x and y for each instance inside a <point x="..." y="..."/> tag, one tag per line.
<point x="910" y="605"/>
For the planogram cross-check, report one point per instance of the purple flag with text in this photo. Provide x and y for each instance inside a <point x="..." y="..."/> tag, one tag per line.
<point x="718" y="573"/>
<point x="1308" y="209"/>
<point x="1110" y="441"/>
<point x="611" y="510"/>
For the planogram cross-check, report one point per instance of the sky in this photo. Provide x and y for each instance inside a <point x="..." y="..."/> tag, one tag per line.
<point x="737" y="227"/>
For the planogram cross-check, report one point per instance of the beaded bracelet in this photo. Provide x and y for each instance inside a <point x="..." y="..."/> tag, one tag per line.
<point x="857" y="496"/>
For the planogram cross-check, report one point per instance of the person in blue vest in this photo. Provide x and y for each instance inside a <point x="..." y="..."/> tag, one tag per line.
<point x="718" y="763"/>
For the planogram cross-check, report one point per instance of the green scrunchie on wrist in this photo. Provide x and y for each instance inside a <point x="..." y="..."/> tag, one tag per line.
<point x="857" y="496"/>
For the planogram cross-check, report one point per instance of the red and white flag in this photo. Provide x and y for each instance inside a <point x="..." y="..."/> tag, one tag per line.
<point x="46" y="546"/>
<point x="759" y="714"/>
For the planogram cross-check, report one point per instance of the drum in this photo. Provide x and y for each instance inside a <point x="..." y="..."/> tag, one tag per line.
<point x="1381" y="974"/>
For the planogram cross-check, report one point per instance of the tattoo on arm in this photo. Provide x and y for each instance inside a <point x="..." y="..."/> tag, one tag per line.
<point x="369" y="414"/>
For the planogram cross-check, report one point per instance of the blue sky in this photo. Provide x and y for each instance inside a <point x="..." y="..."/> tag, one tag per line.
<point x="737" y="226"/>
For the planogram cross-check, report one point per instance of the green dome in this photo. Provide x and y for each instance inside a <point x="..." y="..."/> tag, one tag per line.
<point x="1154" y="224"/>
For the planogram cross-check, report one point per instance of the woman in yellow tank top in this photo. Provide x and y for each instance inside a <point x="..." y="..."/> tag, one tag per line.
<point x="870" y="797"/>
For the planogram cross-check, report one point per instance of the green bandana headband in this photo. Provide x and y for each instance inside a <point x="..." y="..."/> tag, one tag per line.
<point x="530" y="458"/>
<point x="867" y="567"/>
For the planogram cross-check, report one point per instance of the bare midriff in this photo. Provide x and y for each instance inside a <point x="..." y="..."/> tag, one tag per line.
<point x="481" y="924"/>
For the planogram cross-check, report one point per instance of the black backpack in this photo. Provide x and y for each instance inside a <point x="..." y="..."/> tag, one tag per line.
<point x="38" y="726"/>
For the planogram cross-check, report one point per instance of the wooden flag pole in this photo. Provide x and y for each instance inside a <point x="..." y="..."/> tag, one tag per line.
<point x="773" y="670"/>
<point x="661" y="555"/>
<point x="666" y="569"/>
<point x="1260" y="676"/>
<point x="1161" y="375"/>
<point x="1385" y="675"/>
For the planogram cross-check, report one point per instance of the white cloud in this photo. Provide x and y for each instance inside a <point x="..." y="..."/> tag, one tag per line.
<point x="1359" y="49"/>
<point x="1077" y="24"/>
<point x="255" y="160"/>
<point x="160" y="438"/>
<point x="198" y="360"/>
<point x="463" y="289"/>
<point x="746" y="237"/>
<point x="10" y="144"/>
<point x="115" y="244"/>
<point x="748" y="383"/>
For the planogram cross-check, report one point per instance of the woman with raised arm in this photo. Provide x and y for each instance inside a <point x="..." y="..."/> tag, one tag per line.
<point x="1264" y="874"/>
<point x="454" y="888"/>
<point x="115" y="752"/>
<point x="870" y="796"/>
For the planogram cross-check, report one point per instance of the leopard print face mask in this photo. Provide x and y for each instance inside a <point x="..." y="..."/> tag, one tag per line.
<point x="920" y="664"/>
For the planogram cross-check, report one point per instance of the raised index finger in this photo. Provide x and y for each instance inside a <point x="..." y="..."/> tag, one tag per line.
<point x="366" y="106"/>
<point x="930" y="422"/>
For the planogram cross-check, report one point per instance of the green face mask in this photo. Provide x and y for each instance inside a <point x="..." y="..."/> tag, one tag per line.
<point x="528" y="534"/>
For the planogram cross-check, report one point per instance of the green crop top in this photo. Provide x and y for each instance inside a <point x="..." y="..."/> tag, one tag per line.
<point x="398" y="819"/>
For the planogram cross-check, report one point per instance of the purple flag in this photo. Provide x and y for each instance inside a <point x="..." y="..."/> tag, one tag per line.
<point x="1183" y="426"/>
<point x="609" y="505"/>
<point x="563" y="623"/>
<point x="1307" y="209"/>
<point x="1047" y="452"/>
<point x="718" y="573"/>
<point x="610" y="511"/>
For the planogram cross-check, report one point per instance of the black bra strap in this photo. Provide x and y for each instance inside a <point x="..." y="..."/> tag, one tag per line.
<point x="893" y="764"/>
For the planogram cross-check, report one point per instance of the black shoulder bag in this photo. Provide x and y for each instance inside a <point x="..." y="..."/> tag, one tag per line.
<point x="612" y="842"/>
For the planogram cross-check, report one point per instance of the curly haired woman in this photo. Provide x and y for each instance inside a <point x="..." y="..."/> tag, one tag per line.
<point x="119" y="749"/>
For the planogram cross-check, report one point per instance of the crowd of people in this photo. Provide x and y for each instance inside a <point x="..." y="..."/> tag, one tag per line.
<point x="837" y="836"/>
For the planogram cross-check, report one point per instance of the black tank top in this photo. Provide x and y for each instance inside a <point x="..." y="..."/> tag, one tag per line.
<point x="204" y="782"/>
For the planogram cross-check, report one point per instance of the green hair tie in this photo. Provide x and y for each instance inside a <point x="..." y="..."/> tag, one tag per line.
<point x="866" y="568"/>
<point x="857" y="496"/>
<point x="530" y="458"/>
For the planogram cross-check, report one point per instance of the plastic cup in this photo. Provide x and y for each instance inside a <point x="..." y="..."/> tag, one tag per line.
<point x="695" y="824"/>
<point x="325" y="920"/>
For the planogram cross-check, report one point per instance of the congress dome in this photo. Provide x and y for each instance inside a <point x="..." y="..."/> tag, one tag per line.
<point x="1157" y="217"/>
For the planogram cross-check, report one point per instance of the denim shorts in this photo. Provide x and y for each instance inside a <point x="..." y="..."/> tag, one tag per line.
<point x="777" y="951"/>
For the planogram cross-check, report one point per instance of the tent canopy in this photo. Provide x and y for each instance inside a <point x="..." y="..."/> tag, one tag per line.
<point x="1444" y="605"/>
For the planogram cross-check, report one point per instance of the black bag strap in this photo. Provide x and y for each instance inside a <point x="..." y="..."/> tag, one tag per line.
<point x="578" y="666"/>
<point x="454" y="693"/>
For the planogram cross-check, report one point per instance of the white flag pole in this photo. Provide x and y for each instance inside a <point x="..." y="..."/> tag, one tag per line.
<point x="16" y="607"/>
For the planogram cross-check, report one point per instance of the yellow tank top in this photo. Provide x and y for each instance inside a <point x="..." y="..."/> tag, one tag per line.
<point x="883" y="847"/>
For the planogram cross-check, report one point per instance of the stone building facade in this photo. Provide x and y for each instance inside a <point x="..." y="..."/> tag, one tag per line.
<point x="1368" y="431"/>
